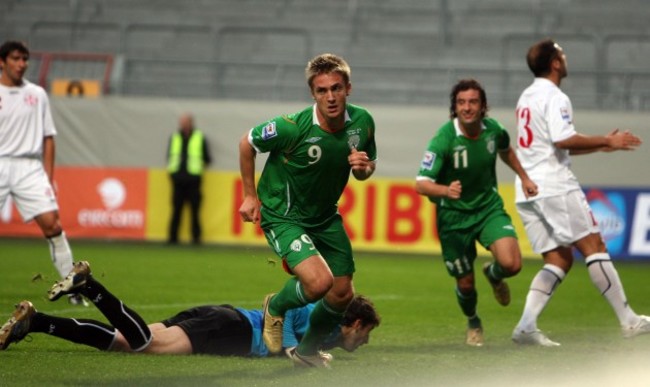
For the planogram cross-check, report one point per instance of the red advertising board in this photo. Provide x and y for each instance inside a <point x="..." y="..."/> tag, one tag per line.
<point x="93" y="203"/>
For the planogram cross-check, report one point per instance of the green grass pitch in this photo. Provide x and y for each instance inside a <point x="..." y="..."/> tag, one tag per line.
<point x="419" y="343"/>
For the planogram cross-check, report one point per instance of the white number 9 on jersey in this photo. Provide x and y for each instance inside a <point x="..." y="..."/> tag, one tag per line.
<point x="314" y="152"/>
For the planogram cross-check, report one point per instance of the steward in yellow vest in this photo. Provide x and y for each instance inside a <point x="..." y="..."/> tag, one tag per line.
<point x="187" y="156"/>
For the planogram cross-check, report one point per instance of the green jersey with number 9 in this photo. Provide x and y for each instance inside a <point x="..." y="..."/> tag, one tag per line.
<point x="452" y="156"/>
<point x="307" y="168"/>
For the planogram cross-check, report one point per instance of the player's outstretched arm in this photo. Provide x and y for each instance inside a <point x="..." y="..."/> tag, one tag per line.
<point x="580" y="144"/>
<point x="250" y="207"/>
<point x="622" y="140"/>
<point x="509" y="157"/>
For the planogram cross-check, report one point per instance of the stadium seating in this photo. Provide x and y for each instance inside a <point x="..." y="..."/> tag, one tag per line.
<point x="401" y="51"/>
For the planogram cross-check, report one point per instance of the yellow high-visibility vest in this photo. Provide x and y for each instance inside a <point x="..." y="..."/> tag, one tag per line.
<point x="194" y="153"/>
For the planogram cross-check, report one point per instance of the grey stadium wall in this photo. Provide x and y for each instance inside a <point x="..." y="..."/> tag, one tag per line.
<point x="133" y="132"/>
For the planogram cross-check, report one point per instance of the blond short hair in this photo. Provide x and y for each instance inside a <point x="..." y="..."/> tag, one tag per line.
<point x="326" y="64"/>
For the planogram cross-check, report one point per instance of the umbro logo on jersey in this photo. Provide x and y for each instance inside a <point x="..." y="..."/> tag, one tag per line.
<point x="508" y="227"/>
<point x="313" y="140"/>
<point x="459" y="148"/>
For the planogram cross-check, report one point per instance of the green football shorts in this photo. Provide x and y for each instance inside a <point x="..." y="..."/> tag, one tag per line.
<point x="459" y="243"/>
<point x="294" y="243"/>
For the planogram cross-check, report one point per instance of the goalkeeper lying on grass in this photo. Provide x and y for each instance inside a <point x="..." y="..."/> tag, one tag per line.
<point x="211" y="329"/>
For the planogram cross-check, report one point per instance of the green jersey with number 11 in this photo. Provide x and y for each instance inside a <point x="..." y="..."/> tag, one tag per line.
<point x="307" y="168"/>
<point x="452" y="156"/>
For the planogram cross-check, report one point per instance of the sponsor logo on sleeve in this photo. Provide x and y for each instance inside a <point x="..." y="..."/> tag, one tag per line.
<point x="269" y="131"/>
<point x="428" y="160"/>
<point x="565" y="114"/>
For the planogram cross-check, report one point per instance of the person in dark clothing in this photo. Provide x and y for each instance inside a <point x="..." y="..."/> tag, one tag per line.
<point x="220" y="330"/>
<point x="188" y="154"/>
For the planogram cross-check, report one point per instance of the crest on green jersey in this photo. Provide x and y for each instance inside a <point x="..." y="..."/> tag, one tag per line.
<point x="353" y="141"/>
<point x="490" y="145"/>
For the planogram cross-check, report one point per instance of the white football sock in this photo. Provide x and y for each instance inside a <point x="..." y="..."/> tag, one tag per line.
<point x="61" y="254"/>
<point x="540" y="292"/>
<point x="604" y="275"/>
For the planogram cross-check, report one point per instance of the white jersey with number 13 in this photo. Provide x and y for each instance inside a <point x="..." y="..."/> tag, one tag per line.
<point x="544" y="117"/>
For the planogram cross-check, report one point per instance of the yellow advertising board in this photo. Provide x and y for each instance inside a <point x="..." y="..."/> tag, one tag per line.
<point x="380" y="214"/>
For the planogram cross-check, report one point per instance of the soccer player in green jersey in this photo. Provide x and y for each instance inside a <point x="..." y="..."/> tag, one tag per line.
<point x="458" y="174"/>
<point x="311" y="154"/>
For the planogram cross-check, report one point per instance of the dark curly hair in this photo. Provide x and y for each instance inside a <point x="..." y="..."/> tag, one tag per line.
<point x="463" y="85"/>
<point x="361" y="308"/>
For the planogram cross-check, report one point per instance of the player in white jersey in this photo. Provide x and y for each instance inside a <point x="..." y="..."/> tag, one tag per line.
<point x="559" y="217"/>
<point x="27" y="153"/>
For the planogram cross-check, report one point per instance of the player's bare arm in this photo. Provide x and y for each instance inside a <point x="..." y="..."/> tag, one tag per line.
<point x="509" y="157"/>
<point x="579" y="144"/>
<point x="432" y="189"/>
<point x="48" y="157"/>
<point x="623" y="140"/>
<point x="362" y="166"/>
<point x="250" y="207"/>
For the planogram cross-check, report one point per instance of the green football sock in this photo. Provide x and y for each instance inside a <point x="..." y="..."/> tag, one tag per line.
<point x="467" y="303"/>
<point x="291" y="296"/>
<point x="496" y="272"/>
<point x="322" y="321"/>
<point x="474" y="322"/>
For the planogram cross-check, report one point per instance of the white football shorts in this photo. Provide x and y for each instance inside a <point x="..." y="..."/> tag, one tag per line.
<point x="557" y="220"/>
<point x="27" y="183"/>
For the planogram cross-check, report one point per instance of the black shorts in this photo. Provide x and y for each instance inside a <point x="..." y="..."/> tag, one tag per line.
<point x="215" y="330"/>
